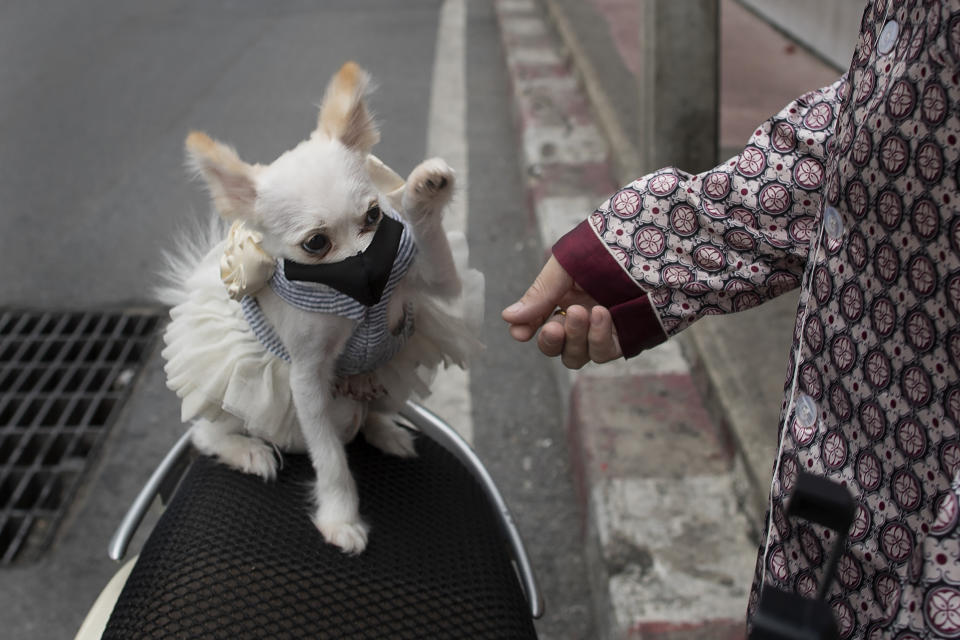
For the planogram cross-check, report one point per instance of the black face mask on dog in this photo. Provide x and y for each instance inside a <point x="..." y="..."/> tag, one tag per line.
<point x="364" y="276"/>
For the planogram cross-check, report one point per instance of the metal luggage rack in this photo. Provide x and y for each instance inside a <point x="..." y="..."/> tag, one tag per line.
<point x="63" y="377"/>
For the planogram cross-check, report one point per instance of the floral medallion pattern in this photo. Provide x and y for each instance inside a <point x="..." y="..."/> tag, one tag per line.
<point x="853" y="190"/>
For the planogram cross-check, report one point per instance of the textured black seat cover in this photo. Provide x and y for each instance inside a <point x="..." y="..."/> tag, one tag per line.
<point x="235" y="557"/>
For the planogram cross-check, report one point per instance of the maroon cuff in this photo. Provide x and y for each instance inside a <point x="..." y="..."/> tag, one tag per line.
<point x="638" y="327"/>
<point x="582" y="254"/>
<point x="584" y="257"/>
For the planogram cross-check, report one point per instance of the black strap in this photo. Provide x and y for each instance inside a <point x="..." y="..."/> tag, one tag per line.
<point x="789" y="616"/>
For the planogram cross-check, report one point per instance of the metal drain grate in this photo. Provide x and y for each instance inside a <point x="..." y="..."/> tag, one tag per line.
<point x="62" y="378"/>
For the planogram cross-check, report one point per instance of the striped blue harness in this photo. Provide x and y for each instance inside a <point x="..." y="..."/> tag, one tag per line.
<point x="372" y="343"/>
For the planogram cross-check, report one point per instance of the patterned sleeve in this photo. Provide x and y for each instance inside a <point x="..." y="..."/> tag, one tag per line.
<point x="672" y="247"/>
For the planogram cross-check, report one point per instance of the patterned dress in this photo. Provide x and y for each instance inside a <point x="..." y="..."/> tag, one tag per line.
<point x="850" y="193"/>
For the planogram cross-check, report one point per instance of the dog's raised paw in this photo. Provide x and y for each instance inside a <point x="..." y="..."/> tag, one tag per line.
<point x="351" y="537"/>
<point x="429" y="187"/>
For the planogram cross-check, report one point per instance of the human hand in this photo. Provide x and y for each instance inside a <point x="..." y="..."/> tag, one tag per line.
<point x="581" y="333"/>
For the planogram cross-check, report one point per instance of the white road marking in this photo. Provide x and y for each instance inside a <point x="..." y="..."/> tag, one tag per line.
<point x="447" y="138"/>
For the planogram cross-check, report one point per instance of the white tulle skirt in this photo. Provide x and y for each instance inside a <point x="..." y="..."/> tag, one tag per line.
<point x="221" y="371"/>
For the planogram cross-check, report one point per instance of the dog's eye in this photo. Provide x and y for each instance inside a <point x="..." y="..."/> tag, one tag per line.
<point x="373" y="214"/>
<point x="316" y="244"/>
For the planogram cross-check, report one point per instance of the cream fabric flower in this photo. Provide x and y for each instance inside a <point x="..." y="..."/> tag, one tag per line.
<point x="244" y="267"/>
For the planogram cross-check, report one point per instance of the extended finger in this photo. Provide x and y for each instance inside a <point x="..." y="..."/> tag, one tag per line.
<point x="523" y="332"/>
<point x="541" y="298"/>
<point x="575" y="350"/>
<point x="601" y="337"/>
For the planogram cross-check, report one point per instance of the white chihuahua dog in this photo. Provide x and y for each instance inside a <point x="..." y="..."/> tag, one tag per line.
<point x="335" y="297"/>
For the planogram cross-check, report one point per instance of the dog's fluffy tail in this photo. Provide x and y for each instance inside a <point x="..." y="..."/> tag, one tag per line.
<point x="193" y="242"/>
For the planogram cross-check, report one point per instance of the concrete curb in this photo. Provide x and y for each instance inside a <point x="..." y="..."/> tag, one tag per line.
<point x="668" y="549"/>
<point x="625" y="159"/>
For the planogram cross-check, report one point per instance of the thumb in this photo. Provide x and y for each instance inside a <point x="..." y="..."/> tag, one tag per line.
<point x="542" y="296"/>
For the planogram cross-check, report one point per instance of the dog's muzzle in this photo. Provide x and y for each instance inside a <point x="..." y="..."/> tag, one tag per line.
<point x="364" y="276"/>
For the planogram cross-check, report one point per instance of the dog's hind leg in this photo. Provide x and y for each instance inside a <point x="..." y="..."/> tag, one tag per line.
<point x="383" y="433"/>
<point x="225" y="440"/>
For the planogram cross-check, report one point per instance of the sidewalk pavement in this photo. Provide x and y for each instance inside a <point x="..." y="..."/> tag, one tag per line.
<point x="672" y="449"/>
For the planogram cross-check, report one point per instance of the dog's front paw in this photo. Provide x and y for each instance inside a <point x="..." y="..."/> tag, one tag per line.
<point x="428" y="189"/>
<point x="351" y="537"/>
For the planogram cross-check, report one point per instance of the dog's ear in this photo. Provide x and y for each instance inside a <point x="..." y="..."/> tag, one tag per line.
<point x="229" y="179"/>
<point x="343" y="113"/>
<point x="386" y="180"/>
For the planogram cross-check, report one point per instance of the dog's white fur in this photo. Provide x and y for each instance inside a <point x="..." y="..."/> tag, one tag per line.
<point x="325" y="184"/>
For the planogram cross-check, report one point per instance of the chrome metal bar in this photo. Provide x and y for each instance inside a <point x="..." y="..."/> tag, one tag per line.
<point x="434" y="427"/>
<point x="134" y="516"/>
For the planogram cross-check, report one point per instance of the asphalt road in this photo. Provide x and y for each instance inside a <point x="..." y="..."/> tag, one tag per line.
<point x="95" y="100"/>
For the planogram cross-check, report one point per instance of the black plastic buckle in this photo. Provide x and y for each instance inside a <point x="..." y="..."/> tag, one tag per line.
<point x="789" y="616"/>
